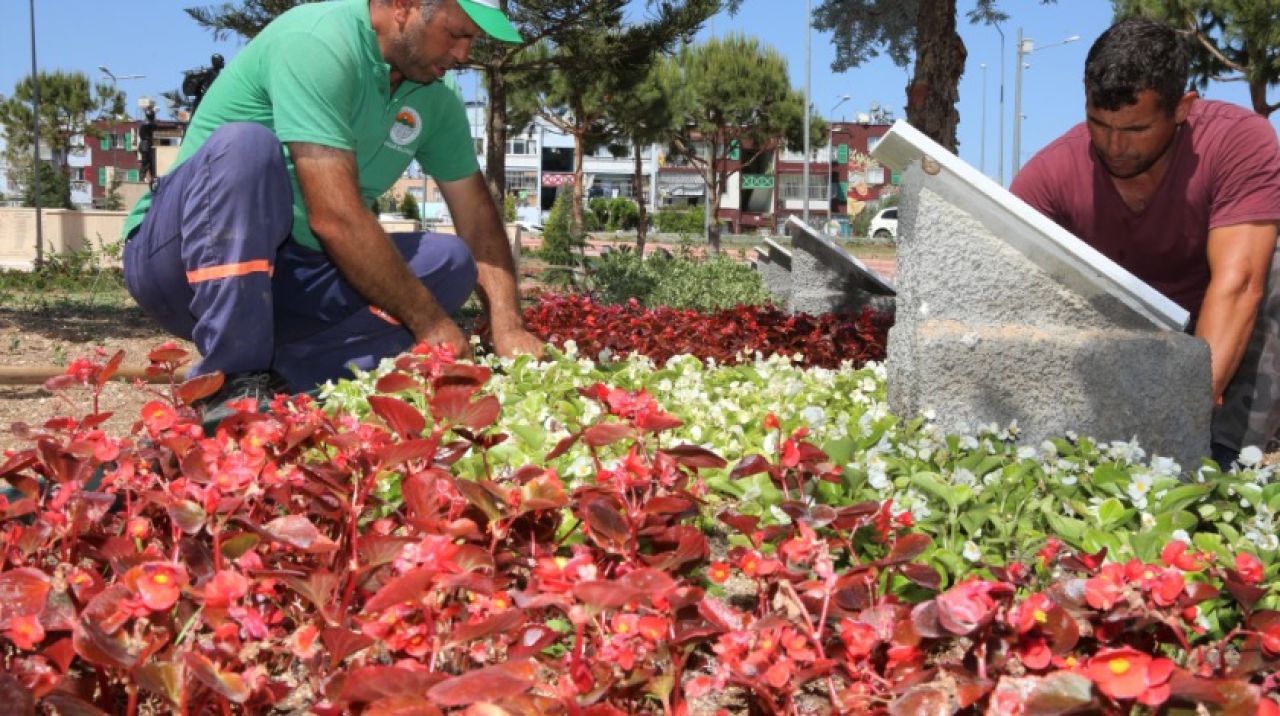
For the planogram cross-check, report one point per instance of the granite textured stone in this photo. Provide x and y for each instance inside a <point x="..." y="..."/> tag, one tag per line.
<point x="992" y="328"/>
<point x="773" y="262"/>
<point x="825" y="277"/>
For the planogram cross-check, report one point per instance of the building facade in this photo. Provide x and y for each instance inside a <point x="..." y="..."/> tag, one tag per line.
<point x="843" y="177"/>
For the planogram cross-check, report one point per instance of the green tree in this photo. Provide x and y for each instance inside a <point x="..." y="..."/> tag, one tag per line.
<point x="55" y="187"/>
<point x="1234" y="40"/>
<point x="590" y="65"/>
<point x="644" y="115"/>
<point x="409" y="207"/>
<point x="733" y="94"/>
<point x="907" y="30"/>
<point x="245" y="20"/>
<point x="67" y="101"/>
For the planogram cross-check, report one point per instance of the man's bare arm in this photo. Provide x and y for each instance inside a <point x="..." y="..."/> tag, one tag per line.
<point x="360" y="249"/>
<point x="476" y="218"/>
<point x="1239" y="259"/>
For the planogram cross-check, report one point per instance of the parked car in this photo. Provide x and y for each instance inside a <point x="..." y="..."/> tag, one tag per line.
<point x="884" y="227"/>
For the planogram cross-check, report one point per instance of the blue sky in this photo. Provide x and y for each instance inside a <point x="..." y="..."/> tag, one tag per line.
<point x="156" y="39"/>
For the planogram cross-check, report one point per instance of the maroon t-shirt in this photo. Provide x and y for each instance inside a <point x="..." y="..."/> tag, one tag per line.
<point x="1225" y="171"/>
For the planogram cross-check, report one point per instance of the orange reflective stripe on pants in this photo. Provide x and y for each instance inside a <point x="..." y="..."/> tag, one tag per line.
<point x="228" y="270"/>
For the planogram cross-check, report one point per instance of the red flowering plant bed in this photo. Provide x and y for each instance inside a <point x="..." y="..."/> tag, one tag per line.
<point x="257" y="569"/>
<point x="725" y="336"/>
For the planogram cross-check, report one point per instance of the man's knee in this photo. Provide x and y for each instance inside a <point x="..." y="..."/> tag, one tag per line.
<point x="254" y="148"/>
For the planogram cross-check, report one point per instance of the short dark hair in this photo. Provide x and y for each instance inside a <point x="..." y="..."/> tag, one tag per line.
<point x="1134" y="55"/>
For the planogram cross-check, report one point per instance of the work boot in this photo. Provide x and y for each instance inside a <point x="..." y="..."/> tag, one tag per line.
<point x="261" y="386"/>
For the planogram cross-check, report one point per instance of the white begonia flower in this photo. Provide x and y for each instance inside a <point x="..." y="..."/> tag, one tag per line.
<point x="1250" y="456"/>
<point x="1026" y="452"/>
<point x="695" y="432"/>
<point x="968" y="442"/>
<point x="1165" y="466"/>
<point x="581" y="466"/>
<point x="1181" y="536"/>
<point x="815" y="416"/>
<point x="1139" y="488"/>
<point x="930" y="414"/>
<point x="782" y="517"/>
<point x="962" y="476"/>
<point x="1048" y="450"/>
<point x="877" y="478"/>
<point x="1268" y="542"/>
<point x="571" y="348"/>
<point x="1147" y="519"/>
<point x="971" y="551"/>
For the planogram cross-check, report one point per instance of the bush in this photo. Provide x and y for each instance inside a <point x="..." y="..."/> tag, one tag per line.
<point x="557" y="244"/>
<point x="409" y="207"/>
<point x="680" y="221"/>
<point x="509" y="209"/>
<point x="679" y="282"/>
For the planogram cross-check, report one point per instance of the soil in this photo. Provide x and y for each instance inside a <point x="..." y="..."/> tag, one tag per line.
<point x="55" y="336"/>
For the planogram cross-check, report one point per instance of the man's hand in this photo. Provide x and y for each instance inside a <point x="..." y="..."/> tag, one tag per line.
<point x="447" y="332"/>
<point x="479" y="225"/>
<point x="514" y="341"/>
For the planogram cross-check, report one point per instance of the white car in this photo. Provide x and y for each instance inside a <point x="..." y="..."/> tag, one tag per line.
<point x="884" y="227"/>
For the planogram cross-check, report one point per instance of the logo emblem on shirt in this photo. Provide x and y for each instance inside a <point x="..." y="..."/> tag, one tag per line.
<point x="407" y="127"/>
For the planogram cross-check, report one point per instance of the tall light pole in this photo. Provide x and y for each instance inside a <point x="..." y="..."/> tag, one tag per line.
<point x="982" y="143"/>
<point x="1000" y="152"/>
<point x="115" y="88"/>
<point x="808" y="23"/>
<point x="831" y="148"/>
<point x="35" y="138"/>
<point x="1025" y="47"/>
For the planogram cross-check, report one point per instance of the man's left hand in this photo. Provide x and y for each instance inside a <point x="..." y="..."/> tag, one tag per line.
<point x="514" y="341"/>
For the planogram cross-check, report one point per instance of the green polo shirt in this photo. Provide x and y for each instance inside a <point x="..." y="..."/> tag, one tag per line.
<point x="316" y="75"/>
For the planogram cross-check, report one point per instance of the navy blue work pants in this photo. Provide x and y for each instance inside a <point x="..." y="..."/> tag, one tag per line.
<point x="213" y="263"/>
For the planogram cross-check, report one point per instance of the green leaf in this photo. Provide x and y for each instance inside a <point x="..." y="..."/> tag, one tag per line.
<point x="1068" y="528"/>
<point x="1182" y="497"/>
<point x="840" y="451"/>
<point x="532" y="436"/>
<point x="1210" y="542"/>
<point x="1112" y="511"/>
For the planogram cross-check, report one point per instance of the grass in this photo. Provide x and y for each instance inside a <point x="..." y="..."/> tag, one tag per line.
<point x="52" y="289"/>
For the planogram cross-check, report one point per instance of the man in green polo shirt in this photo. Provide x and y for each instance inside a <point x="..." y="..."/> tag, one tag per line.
<point x="260" y="245"/>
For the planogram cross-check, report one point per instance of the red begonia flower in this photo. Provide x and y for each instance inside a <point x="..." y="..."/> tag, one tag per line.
<point x="1127" y="673"/>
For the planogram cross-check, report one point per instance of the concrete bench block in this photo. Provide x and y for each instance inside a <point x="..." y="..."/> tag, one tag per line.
<point x="825" y="277"/>
<point x="1110" y="384"/>
<point x="1004" y="316"/>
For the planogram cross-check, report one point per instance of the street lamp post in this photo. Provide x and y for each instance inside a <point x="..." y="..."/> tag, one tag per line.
<point x="982" y="143"/>
<point x="35" y="138"/>
<point x="1000" y="152"/>
<point x="808" y="23"/>
<point x="115" y="88"/>
<point x="1025" y="47"/>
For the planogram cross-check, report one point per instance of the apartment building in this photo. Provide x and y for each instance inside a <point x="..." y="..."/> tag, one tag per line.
<point x="762" y="194"/>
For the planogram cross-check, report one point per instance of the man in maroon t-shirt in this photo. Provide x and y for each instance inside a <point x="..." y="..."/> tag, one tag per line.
<point x="1185" y="194"/>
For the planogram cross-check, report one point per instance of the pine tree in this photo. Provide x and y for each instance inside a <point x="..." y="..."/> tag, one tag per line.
<point x="733" y="93"/>
<point x="923" y="30"/>
<point x="409" y="207"/>
<point x="1232" y="40"/>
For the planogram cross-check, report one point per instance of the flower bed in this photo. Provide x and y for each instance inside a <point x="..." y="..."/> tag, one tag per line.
<point x="567" y="537"/>
<point x="726" y="336"/>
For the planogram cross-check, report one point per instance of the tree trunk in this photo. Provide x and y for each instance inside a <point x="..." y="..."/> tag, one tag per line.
<point x="935" y="88"/>
<point x="713" y="200"/>
<point x="495" y="151"/>
<point x="576" y="226"/>
<point x="641" y="211"/>
<point x="1258" y="96"/>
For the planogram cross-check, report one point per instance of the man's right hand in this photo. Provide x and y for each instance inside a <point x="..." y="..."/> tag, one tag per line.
<point x="447" y="332"/>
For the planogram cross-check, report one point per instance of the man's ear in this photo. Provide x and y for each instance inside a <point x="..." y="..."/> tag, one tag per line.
<point x="1183" y="107"/>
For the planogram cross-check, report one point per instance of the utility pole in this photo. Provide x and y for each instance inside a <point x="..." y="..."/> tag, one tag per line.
<point x="1025" y="47"/>
<point x="808" y="21"/>
<point x="115" y="89"/>
<point x="35" y="138"/>
<point x="982" y="144"/>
